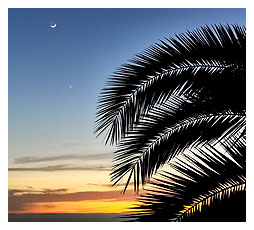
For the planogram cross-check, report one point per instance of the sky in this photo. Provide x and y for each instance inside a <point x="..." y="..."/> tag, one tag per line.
<point x="56" y="164"/>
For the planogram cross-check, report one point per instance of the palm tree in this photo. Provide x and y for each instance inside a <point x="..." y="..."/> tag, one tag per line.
<point x="181" y="96"/>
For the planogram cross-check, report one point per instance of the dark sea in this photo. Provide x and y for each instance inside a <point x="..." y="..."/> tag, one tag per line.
<point x="91" y="217"/>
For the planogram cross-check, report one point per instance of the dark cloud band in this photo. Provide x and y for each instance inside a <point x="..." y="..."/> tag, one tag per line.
<point x="24" y="160"/>
<point x="60" y="168"/>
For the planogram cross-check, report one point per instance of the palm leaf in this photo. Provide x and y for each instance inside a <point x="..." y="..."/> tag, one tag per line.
<point x="207" y="177"/>
<point x="146" y="150"/>
<point x="152" y="75"/>
<point x="222" y="192"/>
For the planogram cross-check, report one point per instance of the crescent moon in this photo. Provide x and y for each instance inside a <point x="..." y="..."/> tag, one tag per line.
<point x="53" y="26"/>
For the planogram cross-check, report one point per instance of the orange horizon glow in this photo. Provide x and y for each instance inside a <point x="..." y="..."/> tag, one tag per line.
<point x="82" y="193"/>
<point x="83" y="207"/>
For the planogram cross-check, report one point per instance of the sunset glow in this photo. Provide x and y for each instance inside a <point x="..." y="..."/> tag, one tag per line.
<point x="56" y="163"/>
<point x="110" y="206"/>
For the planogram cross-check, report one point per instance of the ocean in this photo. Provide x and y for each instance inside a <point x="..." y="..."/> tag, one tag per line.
<point x="55" y="217"/>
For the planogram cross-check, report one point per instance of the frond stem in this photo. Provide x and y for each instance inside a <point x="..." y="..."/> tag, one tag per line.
<point x="216" y="191"/>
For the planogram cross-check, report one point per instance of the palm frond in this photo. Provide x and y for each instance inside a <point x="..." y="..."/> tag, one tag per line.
<point x="222" y="192"/>
<point x="152" y="75"/>
<point x="204" y="178"/>
<point x="143" y="152"/>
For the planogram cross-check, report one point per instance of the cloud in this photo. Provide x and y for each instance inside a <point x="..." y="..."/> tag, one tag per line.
<point x="14" y="192"/>
<point x="17" y="197"/>
<point x="60" y="168"/>
<point x="100" y="185"/>
<point x="24" y="160"/>
<point x="71" y="144"/>
<point x="109" y="185"/>
<point x="18" y="200"/>
<point x="62" y="195"/>
<point x="54" y="191"/>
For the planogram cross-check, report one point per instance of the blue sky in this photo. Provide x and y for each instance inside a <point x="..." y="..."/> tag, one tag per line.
<point x="46" y="116"/>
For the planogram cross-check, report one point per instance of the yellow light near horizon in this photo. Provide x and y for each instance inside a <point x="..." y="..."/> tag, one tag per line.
<point x="74" y="181"/>
<point x="101" y="206"/>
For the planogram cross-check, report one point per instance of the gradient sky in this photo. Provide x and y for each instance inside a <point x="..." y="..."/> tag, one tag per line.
<point x="55" y="162"/>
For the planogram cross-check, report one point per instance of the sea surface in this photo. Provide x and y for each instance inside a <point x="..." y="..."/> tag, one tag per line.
<point x="91" y="217"/>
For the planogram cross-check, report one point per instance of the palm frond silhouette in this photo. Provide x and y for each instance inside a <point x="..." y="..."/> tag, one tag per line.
<point x="182" y="94"/>
<point x="209" y="179"/>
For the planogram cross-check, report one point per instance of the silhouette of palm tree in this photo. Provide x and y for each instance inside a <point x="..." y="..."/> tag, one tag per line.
<point x="183" y="96"/>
